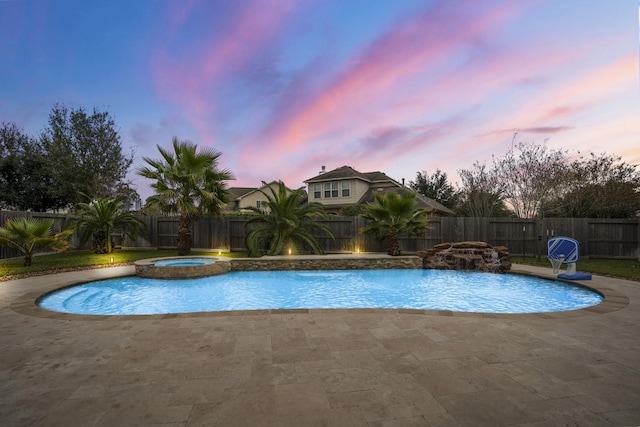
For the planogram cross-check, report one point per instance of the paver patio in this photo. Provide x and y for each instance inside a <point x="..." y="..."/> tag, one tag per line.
<point x="318" y="367"/>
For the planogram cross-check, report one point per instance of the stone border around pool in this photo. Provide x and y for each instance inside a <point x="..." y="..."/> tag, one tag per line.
<point x="147" y="268"/>
<point x="612" y="299"/>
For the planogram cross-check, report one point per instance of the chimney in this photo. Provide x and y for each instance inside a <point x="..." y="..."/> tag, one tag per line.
<point x="323" y="170"/>
<point x="403" y="182"/>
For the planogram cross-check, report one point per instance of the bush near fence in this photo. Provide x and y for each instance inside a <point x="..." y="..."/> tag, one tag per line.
<point x="599" y="238"/>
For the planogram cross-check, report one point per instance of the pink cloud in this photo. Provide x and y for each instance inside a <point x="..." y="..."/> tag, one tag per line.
<point x="561" y="112"/>
<point x="177" y="14"/>
<point x="439" y="79"/>
<point x="190" y="77"/>
<point x="544" y="130"/>
<point x="376" y="74"/>
<point x="600" y="82"/>
<point x="585" y="91"/>
<point x="372" y="93"/>
<point x="364" y="93"/>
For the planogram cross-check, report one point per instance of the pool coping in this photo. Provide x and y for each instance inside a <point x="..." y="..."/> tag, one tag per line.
<point x="149" y="268"/>
<point x="26" y="304"/>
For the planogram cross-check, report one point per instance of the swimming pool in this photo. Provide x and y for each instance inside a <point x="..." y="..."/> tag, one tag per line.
<point x="184" y="262"/>
<point x="258" y="290"/>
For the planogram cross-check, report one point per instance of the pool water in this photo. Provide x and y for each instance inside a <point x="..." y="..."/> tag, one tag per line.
<point x="411" y="289"/>
<point x="176" y="262"/>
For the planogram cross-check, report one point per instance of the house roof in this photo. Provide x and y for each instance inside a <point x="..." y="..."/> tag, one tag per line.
<point x="378" y="181"/>
<point x="239" y="192"/>
<point x="378" y="176"/>
<point x="339" y="173"/>
<point x="344" y="172"/>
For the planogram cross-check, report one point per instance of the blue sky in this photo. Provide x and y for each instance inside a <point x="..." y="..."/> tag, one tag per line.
<point x="282" y="87"/>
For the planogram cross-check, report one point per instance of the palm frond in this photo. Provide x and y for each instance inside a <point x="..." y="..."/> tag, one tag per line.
<point x="285" y="221"/>
<point x="392" y="215"/>
<point x="26" y="235"/>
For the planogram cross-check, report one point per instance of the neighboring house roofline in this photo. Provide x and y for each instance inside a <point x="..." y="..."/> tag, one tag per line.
<point x="242" y="192"/>
<point x="245" y="197"/>
<point x="340" y="173"/>
<point x="259" y="189"/>
<point x="376" y="181"/>
<point x="239" y="192"/>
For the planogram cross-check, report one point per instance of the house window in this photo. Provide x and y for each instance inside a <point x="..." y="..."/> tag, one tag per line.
<point x="346" y="189"/>
<point x="317" y="191"/>
<point x="330" y="190"/>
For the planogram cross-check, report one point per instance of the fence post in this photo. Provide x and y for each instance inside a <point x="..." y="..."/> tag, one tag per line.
<point x="638" y="239"/>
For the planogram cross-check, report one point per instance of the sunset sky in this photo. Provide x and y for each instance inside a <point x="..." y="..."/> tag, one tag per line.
<point x="283" y="87"/>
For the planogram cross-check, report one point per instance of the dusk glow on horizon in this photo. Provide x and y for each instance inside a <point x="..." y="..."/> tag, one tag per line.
<point x="283" y="87"/>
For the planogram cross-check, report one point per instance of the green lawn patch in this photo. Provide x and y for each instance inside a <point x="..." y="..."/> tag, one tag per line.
<point x="621" y="268"/>
<point x="71" y="260"/>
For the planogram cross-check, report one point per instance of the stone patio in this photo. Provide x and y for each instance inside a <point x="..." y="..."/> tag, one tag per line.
<point x="318" y="367"/>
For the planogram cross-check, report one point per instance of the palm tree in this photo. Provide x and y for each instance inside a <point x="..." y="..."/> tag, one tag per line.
<point x="98" y="219"/>
<point x="285" y="222"/>
<point x="26" y="235"/>
<point x="392" y="215"/>
<point x="188" y="183"/>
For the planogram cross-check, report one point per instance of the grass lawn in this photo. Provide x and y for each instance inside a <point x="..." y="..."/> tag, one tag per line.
<point x="11" y="269"/>
<point x="87" y="259"/>
<point x="622" y="268"/>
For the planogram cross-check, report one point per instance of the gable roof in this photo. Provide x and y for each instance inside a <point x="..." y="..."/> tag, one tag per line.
<point x="345" y="172"/>
<point x="339" y="173"/>
<point x="239" y="192"/>
<point x="378" y="176"/>
<point x="238" y="195"/>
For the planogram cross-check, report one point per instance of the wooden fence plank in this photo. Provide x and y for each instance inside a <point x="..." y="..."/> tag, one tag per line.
<point x="599" y="238"/>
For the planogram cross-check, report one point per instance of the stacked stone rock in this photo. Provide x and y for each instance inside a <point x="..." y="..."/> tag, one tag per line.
<point x="476" y="256"/>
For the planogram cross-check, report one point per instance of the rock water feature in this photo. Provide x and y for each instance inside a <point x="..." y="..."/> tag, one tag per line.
<point x="474" y="256"/>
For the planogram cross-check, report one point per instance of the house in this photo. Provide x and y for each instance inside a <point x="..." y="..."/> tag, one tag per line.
<point x="345" y="186"/>
<point x="243" y="197"/>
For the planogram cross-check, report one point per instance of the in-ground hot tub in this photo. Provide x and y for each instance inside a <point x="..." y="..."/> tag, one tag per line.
<point x="182" y="267"/>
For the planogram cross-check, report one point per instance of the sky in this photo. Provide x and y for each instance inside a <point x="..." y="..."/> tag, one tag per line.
<point x="283" y="87"/>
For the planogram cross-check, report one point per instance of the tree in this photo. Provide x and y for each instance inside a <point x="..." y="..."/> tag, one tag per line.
<point x="11" y="140"/>
<point x="85" y="155"/>
<point x="598" y="187"/>
<point x="528" y="180"/>
<point x="480" y="194"/>
<point x="100" y="218"/>
<point x="27" y="235"/>
<point x="24" y="181"/>
<point x="391" y="216"/>
<point x="188" y="183"/>
<point x="436" y="187"/>
<point x="285" y="222"/>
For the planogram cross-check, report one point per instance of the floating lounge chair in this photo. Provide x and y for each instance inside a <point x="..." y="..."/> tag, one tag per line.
<point x="565" y="250"/>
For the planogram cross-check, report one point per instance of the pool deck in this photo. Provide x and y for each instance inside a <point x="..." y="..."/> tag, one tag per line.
<point x="319" y="367"/>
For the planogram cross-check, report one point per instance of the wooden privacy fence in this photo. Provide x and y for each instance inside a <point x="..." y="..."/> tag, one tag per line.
<point x="599" y="238"/>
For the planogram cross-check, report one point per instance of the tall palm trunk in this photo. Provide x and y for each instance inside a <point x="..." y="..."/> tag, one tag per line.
<point x="184" y="235"/>
<point x="99" y="242"/>
<point x="394" y="246"/>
